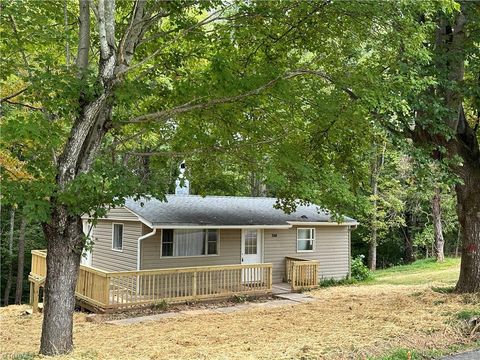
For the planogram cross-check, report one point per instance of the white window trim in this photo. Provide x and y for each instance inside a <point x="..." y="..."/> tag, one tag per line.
<point x="113" y="235"/>
<point x="190" y="256"/>
<point x="314" y="236"/>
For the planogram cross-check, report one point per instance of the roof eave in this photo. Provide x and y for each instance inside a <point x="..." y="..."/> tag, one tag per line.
<point x="194" y="226"/>
<point x="323" y="223"/>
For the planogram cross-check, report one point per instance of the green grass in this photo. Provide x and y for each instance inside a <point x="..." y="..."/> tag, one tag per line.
<point x="467" y="314"/>
<point x="399" y="354"/>
<point x="420" y="272"/>
<point x="412" y="354"/>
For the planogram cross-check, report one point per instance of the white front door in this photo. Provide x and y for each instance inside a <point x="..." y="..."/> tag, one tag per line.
<point x="251" y="246"/>
<point x="251" y="254"/>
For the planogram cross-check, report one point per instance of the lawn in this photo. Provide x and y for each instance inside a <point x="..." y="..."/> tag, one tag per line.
<point x="392" y="316"/>
<point x="426" y="272"/>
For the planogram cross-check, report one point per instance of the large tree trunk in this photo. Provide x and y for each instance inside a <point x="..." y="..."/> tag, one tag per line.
<point x="439" y="242"/>
<point x="20" y="260"/>
<point x="468" y="210"/>
<point x="8" y="284"/>
<point x="65" y="244"/>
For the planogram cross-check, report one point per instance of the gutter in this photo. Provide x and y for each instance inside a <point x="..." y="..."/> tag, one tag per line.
<point x="143" y="237"/>
<point x="323" y="223"/>
<point x="166" y="226"/>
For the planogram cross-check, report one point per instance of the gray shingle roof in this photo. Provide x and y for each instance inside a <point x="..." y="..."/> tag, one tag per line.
<point x="222" y="210"/>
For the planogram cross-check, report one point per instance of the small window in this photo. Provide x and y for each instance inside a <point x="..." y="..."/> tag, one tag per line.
<point x="305" y="239"/>
<point x="117" y="243"/>
<point x="167" y="242"/>
<point x="212" y="239"/>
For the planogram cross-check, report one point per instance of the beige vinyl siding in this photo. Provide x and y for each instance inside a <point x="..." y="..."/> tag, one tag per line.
<point x="331" y="249"/>
<point x="103" y="257"/>
<point x="229" y="252"/>
<point x="121" y="213"/>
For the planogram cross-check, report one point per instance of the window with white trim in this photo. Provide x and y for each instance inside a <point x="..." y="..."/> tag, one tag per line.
<point x="117" y="241"/>
<point x="189" y="242"/>
<point x="305" y="239"/>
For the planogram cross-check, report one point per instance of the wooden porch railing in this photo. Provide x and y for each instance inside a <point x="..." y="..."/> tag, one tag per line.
<point x="301" y="273"/>
<point x="124" y="289"/>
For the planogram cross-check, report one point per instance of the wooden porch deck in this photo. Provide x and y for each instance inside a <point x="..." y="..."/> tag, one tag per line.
<point x="104" y="291"/>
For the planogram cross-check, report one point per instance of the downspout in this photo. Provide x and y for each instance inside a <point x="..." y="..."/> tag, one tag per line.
<point x="143" y="237"/>
<point x="349" y="252"/>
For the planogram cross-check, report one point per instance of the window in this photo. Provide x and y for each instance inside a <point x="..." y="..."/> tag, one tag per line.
<point x="212" y="239"/>
<point x="189" y="242"/>
<point x="167" y="242"/>
<point x="117" y="241"/>
<point x="305" y="239"/>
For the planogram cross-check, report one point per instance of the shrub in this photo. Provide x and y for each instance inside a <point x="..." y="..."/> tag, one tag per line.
<point x="160" y="305"/>
<point x="360" y="271"/>
<point x="333" y="282"/>
<point x="240" y="298"/>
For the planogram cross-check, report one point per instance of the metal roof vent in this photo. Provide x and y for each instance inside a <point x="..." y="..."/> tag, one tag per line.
<point x="182" y="185"/>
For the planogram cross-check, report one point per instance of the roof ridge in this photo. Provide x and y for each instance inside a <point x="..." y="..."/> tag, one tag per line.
<point x="223" y="196"/>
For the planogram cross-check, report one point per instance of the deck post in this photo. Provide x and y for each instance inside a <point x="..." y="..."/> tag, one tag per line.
<point x="106" y="295"/>
<point x="31" y="293"/>
<point x="194" y="284"/>
<point x="270" y="278"/>
<point x="36" y="290"/>
<point x="294" y="275"/>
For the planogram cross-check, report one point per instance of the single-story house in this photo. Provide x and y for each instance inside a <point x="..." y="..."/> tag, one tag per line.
<point x="192" y="247"/>
<point x="187" y="231"/>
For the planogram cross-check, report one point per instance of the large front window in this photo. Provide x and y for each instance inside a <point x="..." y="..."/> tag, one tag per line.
<point x="189" y="242"/>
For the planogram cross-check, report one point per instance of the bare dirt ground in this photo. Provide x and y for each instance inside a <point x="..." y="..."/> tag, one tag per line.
<point x="347" y="322"/>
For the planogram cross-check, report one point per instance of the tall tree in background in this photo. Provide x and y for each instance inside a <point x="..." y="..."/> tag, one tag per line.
<point x="20" y="260"/>
<point x="437" y="225"/>
<point x="6" y="295"/>
<point x="377" y="164"/>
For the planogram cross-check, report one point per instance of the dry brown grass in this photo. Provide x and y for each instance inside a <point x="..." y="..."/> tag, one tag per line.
<point x="346" y="322"/>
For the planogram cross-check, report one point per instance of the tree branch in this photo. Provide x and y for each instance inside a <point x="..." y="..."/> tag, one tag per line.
<point x="203" y="22"/>
<point x="191" y="105"/>
<point x="8" y="97"/>
<point x="327" y="77"/>
<point x="209" y="149"/>
<point x="84" y="37"/>
<point x="139" y="23"/>
<point x="24" y="105"/>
